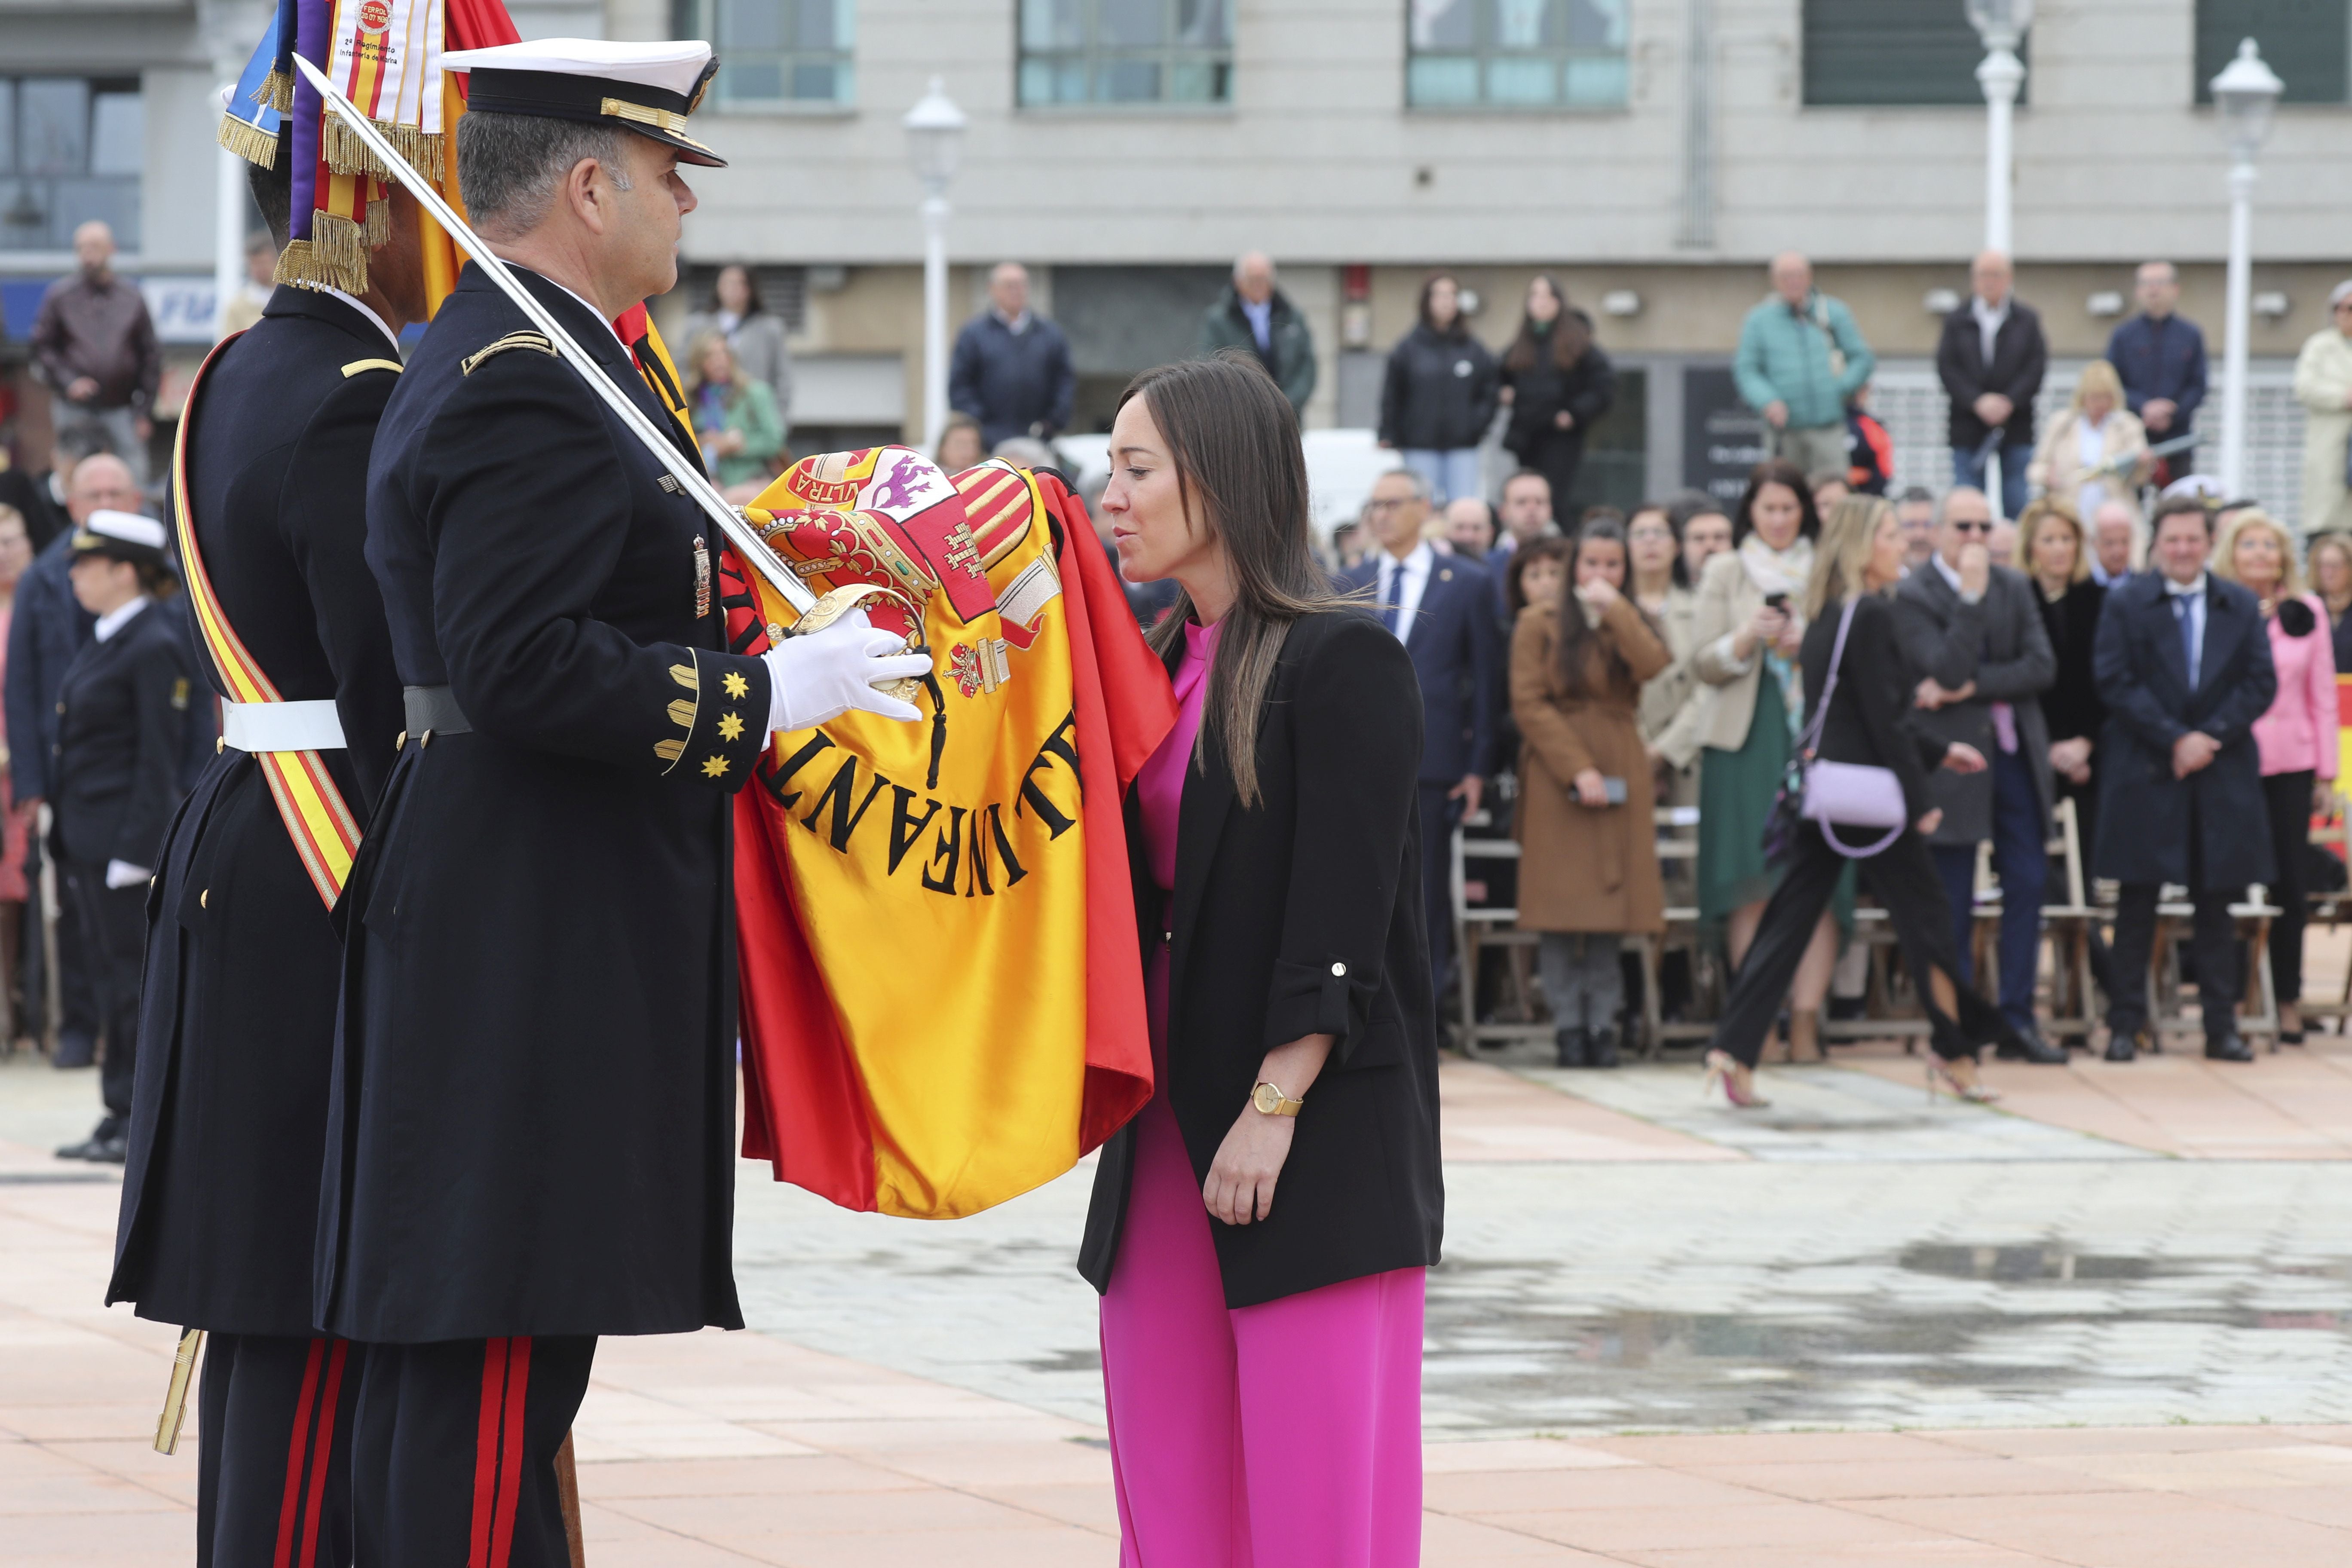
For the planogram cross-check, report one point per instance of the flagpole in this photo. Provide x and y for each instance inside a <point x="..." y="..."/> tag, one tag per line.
<point x="747" y="544"/>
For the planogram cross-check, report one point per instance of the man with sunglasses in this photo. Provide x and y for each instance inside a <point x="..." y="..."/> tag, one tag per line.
<point x="1971" y="630"/>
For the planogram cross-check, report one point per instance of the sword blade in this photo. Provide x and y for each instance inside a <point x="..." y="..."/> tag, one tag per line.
<point x="747" y="542"/>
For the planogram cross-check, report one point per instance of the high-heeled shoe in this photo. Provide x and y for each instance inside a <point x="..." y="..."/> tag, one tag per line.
<point x="1738" y="1080"/>
<point x="1942" y="1079"/>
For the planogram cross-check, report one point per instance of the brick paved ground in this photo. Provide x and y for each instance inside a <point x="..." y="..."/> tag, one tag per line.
<point x="2104" y="1324"/>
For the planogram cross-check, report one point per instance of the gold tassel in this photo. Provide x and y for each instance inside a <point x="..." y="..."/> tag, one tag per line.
<point x="248" y="141"/>
<point x="379" y="222"/>
<point x="276" y="90"/>
<point x="334" y="257"/>
<point x="346" y="154"/>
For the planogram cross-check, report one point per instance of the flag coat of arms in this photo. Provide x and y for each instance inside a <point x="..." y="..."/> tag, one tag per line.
<point x="941" y="977"/>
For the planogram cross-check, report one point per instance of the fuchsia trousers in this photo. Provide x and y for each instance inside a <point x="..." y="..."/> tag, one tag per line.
<point x="1280" y="1436"/>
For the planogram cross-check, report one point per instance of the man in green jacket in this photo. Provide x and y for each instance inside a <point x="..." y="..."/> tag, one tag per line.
<point x="1800" y="360"/>
<point x="1254" y="315"/>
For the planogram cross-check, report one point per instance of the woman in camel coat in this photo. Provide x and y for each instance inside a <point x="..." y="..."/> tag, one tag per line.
<point x="1588" y="870"/>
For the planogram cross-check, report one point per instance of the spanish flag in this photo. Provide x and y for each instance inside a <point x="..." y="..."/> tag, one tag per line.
<point x="942" y="992"/>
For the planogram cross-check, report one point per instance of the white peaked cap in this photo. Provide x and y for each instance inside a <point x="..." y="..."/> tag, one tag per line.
<point x="127" y="526"/>
<point x="670" y="67"/>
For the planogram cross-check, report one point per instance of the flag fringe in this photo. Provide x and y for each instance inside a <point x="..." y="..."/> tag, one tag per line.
<point x="346" y="154"/>
<point x="248" y="141"/>
<point x="379" y="222"/>
<point x="334" y="257"/>
<point x="277" y="90"/>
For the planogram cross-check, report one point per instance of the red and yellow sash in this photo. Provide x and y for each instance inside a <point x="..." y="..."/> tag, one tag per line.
<point x="325" y="834"/>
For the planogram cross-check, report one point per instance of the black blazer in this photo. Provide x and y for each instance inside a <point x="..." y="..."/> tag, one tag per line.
<point x="1298" y="916"/>
<point x="2072" y="705"/>
<point x="1871" y="720"/>
<point x="2144" y="811"/>
<point x="123" y="723"/>
<point x="2019" y="356"/>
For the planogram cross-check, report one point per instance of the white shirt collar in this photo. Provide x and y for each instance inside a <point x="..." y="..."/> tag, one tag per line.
<point x="2182" y="590"/>
<point x="1945" y="569"/>
<point x="1415" y="563"/>
<point x="121" y="615"/>
<point x="1013" y="324"/>
<point x="592" y="310"/>
<point x="365" y="310"/>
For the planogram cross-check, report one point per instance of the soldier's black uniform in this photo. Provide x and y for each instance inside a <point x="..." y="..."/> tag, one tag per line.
<point x="531" y="1136"/>
<point x="220" y="1203"/>
<point x="122" y="720"/>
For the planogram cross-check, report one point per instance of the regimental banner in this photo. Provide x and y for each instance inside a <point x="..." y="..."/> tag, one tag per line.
<point x="942" y="999"/>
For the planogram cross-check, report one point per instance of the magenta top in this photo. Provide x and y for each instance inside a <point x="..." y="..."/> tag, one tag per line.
<point x="1161" y="786"/>
<point x="2299" y="730"/>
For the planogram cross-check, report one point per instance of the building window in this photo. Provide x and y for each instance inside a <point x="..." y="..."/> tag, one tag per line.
<point x="773" y="54"/>
<point x="1126" y="51"/>
<point x="1900" y="53"/>
<point x="1516" y="54"/>
<point x="70" y="149"/>
<point x="2308" y="42"/>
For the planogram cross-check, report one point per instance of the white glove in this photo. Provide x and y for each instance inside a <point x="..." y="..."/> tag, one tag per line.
<point x="123" y="874"/>
<point x="820" y="677"/>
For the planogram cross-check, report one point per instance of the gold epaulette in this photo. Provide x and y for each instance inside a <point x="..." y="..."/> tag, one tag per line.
<point x="512" y="340"/>
<point x="358" y="365"/>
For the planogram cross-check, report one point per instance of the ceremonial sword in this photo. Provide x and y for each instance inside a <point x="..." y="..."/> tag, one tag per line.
<point x="753" y="550"/>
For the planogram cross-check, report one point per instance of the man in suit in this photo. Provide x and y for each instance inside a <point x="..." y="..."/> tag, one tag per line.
<point x="1973" y="632"/>
<point x="2183" y="664"/>
<point x="2160" y="356"/>
<point x="1010" y="369"/>
<point x="531" y="1141"/>
<point x="1991" y="358"/>
<point x="1441" y="608"/>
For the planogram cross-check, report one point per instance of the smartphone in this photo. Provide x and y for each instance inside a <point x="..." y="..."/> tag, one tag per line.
<point x="1777" y="602"/>
<point x="1613" y="790"/>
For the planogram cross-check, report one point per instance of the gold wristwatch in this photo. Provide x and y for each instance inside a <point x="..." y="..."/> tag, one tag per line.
<point x="1273" y="1102"/>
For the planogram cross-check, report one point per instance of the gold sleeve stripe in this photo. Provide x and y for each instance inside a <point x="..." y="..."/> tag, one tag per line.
<point x="669" y="750"/>
<point x="357" y="365"/>
<point x="681" y="713"/>
<point x="688" y="676"/>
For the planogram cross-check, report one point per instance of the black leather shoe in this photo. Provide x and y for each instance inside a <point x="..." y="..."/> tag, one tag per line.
<point x="1570" y="1040"/>
<point x="2029" y="1047"/>
<point x="74" y="1051"/>
<point x="2228" y="1048"/>
<point x="105" y="1145"/>
<point x="2120" y="1045"/>
<point x="1602" y="1052"/>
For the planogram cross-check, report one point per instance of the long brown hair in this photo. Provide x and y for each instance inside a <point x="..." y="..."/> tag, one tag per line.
<point x="1234" y="439"/>
<point x="1842" y="553"/>
<point x="1775" y="472"/>
<point x="1570" y="333"/>
<point x="1460" y="322"/>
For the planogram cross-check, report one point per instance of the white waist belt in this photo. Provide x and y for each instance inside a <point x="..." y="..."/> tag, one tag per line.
<point x="282" y="726"/>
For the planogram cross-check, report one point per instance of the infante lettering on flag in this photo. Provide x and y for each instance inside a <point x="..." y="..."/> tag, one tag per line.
<point x="985" y="843"/>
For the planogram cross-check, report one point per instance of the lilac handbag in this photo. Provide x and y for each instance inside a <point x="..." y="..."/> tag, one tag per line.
<point x="1846" y="794"/>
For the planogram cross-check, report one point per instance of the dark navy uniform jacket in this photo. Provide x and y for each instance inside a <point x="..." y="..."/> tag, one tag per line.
<point x="220" y="1197"/>
<point x="1458" y="658"/>
<point x="122" y="723"/>
<point x="533" y="1122"/>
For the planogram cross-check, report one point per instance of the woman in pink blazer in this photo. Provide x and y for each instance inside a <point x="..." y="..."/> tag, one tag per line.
<point x="2297" y="736"/>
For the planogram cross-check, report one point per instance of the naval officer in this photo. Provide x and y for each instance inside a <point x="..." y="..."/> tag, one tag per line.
<point x="122" y="723"/>
<point x="531" y="1129"/>
<point x="220" y="1197"/>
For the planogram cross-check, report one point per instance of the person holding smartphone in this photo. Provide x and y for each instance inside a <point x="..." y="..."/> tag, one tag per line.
<point x="1588" y="858"/>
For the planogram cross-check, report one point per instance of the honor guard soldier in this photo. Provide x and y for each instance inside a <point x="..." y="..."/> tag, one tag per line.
<point x="220" y="1200"/>
<point x="122" y="723"/>
<point x="531" y="1139"/>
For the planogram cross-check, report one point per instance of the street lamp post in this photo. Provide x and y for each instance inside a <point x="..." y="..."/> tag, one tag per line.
<point x="2245" y="93"/>
<point x="2001" y="23"/>
<point x="934" y="143"/>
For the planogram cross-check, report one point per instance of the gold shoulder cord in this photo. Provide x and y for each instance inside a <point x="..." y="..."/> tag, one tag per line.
<point x="512" y="340"/>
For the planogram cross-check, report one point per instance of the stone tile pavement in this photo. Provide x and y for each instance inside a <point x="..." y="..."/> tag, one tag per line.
<point x="2104" y="1325"/>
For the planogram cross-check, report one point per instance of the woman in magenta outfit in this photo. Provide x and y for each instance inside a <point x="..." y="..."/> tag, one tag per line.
<point x="1261" y="1231"/>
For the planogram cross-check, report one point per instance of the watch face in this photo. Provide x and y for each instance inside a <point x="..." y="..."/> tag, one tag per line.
<point x="1268" y="1098"/>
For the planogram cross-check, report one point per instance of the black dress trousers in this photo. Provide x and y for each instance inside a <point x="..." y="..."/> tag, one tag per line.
<point x="112" y="926"/>
<point x="2213" y="947"/>
<point x="274" y="1462"/>
<point x="453" y="1451"/>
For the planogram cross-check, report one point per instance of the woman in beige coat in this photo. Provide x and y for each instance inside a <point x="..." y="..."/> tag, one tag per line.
<point x="2095" y="452"/>
<point x="2323" y="384"/>
<point x="1587" y="863"/>
<point x="1748" y="629"/>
